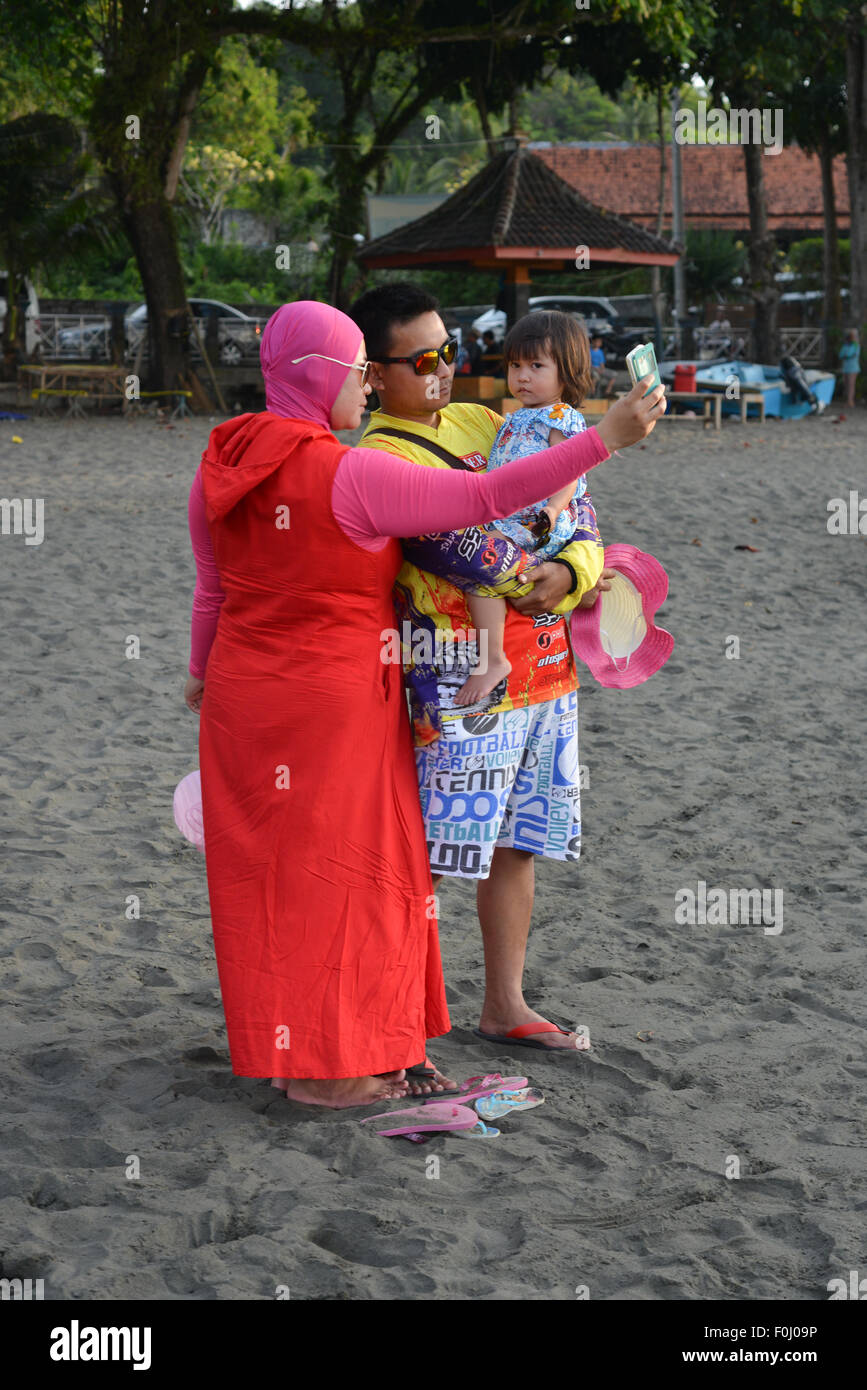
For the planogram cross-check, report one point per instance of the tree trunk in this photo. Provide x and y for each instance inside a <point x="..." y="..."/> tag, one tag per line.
<point x="481" y="103"/>
<point x="830" y="256"/>
<point x="10" y="356"/>
<point x="762" y="260"/>
<point x="151" y="229"/>
<point x="856" y="167"/>
<point x="344" y="222"/>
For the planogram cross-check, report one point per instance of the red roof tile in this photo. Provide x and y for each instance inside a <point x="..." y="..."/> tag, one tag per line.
<point x="625" y="180"/>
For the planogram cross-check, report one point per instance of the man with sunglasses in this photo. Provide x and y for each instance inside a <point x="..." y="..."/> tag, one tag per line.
<point x="478" y="825"/>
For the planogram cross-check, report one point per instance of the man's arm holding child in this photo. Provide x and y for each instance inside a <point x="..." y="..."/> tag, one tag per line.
<point x="561" y="584"/>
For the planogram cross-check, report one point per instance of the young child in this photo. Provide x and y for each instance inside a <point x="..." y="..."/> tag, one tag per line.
<point x="601" y="374"/>
<point x="850" y="363"/>
<point x="548" y="363"/>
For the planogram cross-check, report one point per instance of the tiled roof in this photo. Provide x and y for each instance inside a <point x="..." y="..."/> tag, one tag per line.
<point x="517" y="201"/>
<point x="625" y="178"/>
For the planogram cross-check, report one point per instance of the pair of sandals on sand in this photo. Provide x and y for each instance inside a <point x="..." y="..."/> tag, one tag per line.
<point x="437" y="1116"/>
<point x="448" y="1111"/>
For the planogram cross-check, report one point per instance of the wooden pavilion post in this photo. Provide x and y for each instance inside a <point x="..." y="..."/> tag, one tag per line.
<point x="516" y="293"/>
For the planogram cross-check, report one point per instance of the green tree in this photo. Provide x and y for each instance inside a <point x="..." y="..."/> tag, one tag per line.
<point x="750" y="62"/>
<point x="140" y="67"/>
<point x="817" y="119"/>
<point x="713" y="260"/>
<point x="51" y="205"/>
<point x="847" y="18"/>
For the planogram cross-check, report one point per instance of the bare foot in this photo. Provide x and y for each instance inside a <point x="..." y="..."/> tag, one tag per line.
<point x="476" y="687"/>
<point x="500" y="1026"/>
<point x="430" y="1085"/>
<point x="345" y="1091"/>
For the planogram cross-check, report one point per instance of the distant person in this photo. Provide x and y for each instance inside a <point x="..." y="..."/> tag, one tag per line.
<point x="600" y="374"/>
<point x="718" y="336"/>
<point x="850" y="363"/>
<point x="474" y="351"/>
<point x="492" y="348"/>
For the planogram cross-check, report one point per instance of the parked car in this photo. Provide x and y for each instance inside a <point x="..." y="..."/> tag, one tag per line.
<point x="28" y="304"/>
<point x="597" y="313"/>
<point x="85" y="339"/>
<point x="238" y="334"/>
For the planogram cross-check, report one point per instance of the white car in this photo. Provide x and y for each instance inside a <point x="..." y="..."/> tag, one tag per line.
<point x="598" y="313"/>
<point x="238" y="334"/>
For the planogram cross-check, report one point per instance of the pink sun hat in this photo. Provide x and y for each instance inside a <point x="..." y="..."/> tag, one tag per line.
<point x="617" y="638"/>
<point x="187" y="807"/>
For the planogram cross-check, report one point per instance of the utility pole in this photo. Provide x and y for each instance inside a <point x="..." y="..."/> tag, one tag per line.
<point x="678" y="234"/>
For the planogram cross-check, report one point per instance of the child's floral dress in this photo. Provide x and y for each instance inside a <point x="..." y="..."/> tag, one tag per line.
<point x="526" y="432"/>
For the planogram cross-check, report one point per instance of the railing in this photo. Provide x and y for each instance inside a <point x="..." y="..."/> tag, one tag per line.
<point x="73" y="337"/>
<point x="87" y="338"/>
<point x="807" y="344"/>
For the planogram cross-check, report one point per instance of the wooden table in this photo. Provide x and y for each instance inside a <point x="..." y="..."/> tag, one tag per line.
<point x="73" y="381"/>
<point x="711" y="403"/>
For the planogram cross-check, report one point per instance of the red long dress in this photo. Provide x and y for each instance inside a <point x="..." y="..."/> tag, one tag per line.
<point x="320" y="889"/>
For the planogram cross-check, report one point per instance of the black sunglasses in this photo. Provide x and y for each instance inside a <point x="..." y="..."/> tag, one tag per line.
<point x="426" y="362"/>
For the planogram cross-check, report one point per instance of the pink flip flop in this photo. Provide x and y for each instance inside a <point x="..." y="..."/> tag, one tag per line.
<point x="420" y="1119"/>
<point x="478" y="1086"/>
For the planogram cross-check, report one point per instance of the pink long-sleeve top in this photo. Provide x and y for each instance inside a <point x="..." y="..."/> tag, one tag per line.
<point x="376" y="495"/>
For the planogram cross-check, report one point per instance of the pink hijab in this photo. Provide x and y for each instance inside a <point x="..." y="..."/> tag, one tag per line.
<point x="306" y="391"/>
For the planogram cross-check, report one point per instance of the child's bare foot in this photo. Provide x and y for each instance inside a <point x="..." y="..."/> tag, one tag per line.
<point x="344" y="1092"/>
<point x="428" y="1080"/>
<point x="476" y="687"/>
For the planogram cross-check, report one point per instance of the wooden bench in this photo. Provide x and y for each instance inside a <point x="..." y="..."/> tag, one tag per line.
<point x="476" y="388"/>
<point x="748" y="398"/>
<point x="594" y="407"/>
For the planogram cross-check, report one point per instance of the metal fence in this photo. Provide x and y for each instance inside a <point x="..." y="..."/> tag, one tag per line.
<point x="87" y="338"/>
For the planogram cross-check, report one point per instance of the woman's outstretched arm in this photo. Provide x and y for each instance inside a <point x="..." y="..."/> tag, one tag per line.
<point x="376" y="495"/>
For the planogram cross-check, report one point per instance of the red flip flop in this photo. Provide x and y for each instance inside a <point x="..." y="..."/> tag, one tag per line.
<point x="520" y="1037"/>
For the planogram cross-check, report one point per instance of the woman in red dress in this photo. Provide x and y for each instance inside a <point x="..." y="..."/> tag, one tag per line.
<point x="320" y="891"/>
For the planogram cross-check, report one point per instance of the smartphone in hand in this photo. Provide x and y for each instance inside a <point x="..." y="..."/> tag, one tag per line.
<point x="640" y="361"/>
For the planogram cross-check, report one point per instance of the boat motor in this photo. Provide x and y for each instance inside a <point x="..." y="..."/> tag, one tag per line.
<point x="796" y="379"/>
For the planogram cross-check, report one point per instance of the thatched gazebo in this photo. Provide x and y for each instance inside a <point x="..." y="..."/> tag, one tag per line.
<point x="514" y="216"/>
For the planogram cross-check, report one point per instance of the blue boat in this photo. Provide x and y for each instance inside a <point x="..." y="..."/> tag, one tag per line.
<point x="780" y="399"/>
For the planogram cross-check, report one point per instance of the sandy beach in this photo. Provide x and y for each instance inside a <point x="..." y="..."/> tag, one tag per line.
<point x="711" y="1145"/>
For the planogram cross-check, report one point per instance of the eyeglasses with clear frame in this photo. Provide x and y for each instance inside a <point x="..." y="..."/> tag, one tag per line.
<point x="363" y="367"/>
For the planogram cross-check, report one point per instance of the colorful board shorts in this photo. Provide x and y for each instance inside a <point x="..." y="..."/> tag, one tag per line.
<point x="510" y="779"/>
